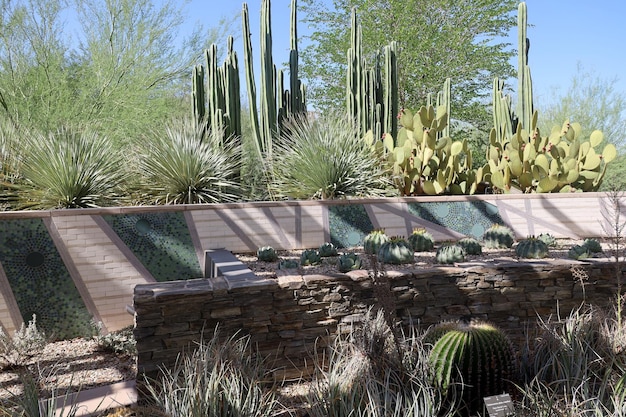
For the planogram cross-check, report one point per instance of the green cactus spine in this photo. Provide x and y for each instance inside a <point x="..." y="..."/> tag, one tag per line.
<point x="348" y="262"/>
<point x="267" y="254"/>
<point x="421" y="240"/>
<point x="531" y="247"/>
<point x="374" y="240"/>
<point x="498" y="237"/>
<point x="471" y="246"/>
<point x="477" y="356"/>
<point x="396" y="251"/>
<point x="449" y="254"/>
<point x="327" y="249"/>
<point x="310" y="257"/>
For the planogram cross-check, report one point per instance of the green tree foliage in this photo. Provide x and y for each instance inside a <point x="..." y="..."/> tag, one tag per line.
<point x="120" y="65"/>
<point x="437" y="39"/>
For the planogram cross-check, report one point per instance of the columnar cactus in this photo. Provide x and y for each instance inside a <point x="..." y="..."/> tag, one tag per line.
<point x="477" y="359"/>
<point x="348" y="262"/>
<point x="374" y="240"/>
<point x="267" y="254"/>
<point x="531" y="247"/>
<point x="421" y="240"/>
<point x="498" y="237"/>
<point x="450" y="253"/>
<point x="396" y="251"/>
<point x="470" y="245"/>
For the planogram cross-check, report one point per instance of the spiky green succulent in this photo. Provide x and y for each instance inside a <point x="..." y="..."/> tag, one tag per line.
<point x="327" y="249"/>
<point x="288" y="264"/>
<point x="310" y="257"/>
<point x="267" y="254"/>
<point x="348" y="262"/>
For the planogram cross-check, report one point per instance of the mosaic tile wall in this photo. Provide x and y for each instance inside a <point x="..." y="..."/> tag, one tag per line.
<point x="40" y="281"/>
<point x="161" y="242"/>
<point x="470" y="218"/>
<point x="348" y="224"/>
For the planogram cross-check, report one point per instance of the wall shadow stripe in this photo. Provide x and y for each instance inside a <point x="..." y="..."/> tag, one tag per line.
<point x="284" y="240"/>
<point x="130" y="256"/>
<point x="504" y="210"/>
<point x="237" y="230"/>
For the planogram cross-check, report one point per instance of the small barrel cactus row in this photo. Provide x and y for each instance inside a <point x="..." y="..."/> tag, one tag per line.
<point x="498" y="237"/>
<point x="421" y="241"/>
<point x="450" y="253"/>
<point x="531" y="247"/>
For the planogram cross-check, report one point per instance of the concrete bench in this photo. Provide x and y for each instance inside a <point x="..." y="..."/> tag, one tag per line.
<point x="222" y="263"/>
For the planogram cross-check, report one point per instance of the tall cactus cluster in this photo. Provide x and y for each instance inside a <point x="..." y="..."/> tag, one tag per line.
<point x="371" y="93"/>
<point x="520" y="158"/>
<point x="216" y="101"/>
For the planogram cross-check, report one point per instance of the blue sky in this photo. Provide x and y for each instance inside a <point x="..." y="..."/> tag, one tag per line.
<point x="563" y="34"/>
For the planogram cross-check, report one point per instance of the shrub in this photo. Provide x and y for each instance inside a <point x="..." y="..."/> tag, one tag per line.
<point x="118" y="342"/>
<point x="27" y="342"/>
<point x="324" y="159"/>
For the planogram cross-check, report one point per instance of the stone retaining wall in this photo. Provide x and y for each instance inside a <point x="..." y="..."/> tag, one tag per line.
<point x="289" y="318"/>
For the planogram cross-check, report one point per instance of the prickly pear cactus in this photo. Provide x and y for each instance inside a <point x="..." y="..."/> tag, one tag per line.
<point x="348" y="262"/>
<point x="498" y="237"/>
<point x="396" y="251"/>
<point x="592" y="245"/>
<point x="373" y="241"/>
<point x="421" y="240"/>
<point x="288" y="264"/>
<point x="548" y="239"/>
<point x="578" y="252"/>
<point x="471" y="246"/>
<point x="531" y="247"/>
<point x="310" y="257"/>
<point x="327" y="249"/>
<point x="477" y="359"/>
<point x="449" y="254"/>
<point x="266" y="254"/>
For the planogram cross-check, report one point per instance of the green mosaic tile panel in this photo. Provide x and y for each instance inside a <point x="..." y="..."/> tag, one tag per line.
<point x="470" y="218"/>
<point x="161" y="242"/>
<point x="40" y="281"/>
<point x="349" y="224"/>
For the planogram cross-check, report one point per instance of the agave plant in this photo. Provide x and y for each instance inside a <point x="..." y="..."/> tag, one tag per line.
<point x="185" y="164"/>
<point x="324" y="159"/>
<point x="70" y="168"/>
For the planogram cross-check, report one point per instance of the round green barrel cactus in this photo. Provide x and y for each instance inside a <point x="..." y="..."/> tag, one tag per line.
<point x="288" y="264"/>
<point x="449" y="254"/>
<point x="548" y="239"/>
<point x="310" y="257"/>
<point x="421" y="240"/>
<point x="471" y="246"/>
<point x="498" y="237"/>
<point x="348" y="262"/>
<point x="531" y="247"/>
<point x="266" y="254"/>
<point x="396" y="251"/>
<point x="327" y="249"/>
<point x="592" y="245"/>
<point x="578" y="252"/>
<point x="373" y="241"/>
<point x="475" y="358"/>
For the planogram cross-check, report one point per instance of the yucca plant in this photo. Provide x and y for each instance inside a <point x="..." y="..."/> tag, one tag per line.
<point x="324" y="159"/>
<point x="70" y="168"/>
<point x="186" y="164"/>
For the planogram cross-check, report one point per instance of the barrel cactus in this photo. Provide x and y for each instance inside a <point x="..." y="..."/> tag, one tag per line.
<point x="266" y="254"/>
<point x="421" y="240"/>
<point x="548" y="239"/>
<point x="288" y="264"/>
<point x="310" y="257"/>
<point x="449" y="254"/>
<point x="348" y="262"/>
<point x="475" y="358"/>
<point x="327" y="249"/>
<point x="531" y="247"/>
<point x="470" y="245"/>
<point x="578" y="252"/>
<point x="498" y="237"/>
<point x="373" y="241"/>
<point x="396" y="251"/>
<point x="592" y="245"/>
